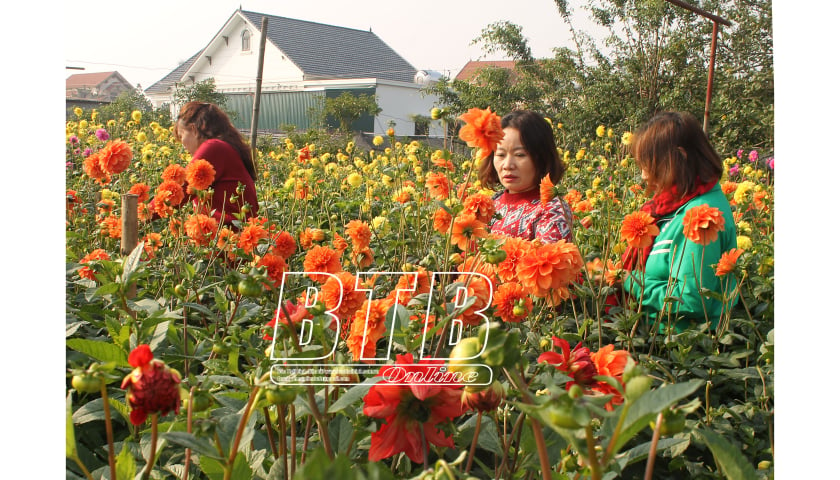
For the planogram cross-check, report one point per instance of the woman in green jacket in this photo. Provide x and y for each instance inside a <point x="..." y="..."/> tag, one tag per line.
<point x="682" y="171"/>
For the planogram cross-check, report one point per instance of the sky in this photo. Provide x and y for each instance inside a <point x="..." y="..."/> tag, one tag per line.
<point x="146" y="40"/>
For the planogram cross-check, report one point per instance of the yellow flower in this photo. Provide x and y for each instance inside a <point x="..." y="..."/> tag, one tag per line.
<point x="94" y="115"/>
<point x="387" y="181"/>
<point x="266" y="174"/>
<point x="610" y="132"/>
<point x="627" y="138"/>
<point x="580" y="153"/>
<point x="83" y="124"/>
<point x="359" y="162"/>
<point x="624" y="162"/>
<point x="596" y="182"/>
<point x="745" y="227"/>
<point x="136" y="115"/>
<point x="378" y="140"/>
<point x="111" y="123"/>
<point x="608" y="147"/>
<point x="744" y="242"/>
<point x="741" y="192"/>
<point x="418" y="170"/>
<point x="141" y="137"/>
<point x="78" y="111"/>
<point x="354" y="179"/>
<point x="566" y="156"/>
<point x="381" y="224"/>
<point x="350" y="146"/>
<point x="601" y="130"/>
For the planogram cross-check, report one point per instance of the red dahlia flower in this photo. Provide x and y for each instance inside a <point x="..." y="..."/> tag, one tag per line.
<point x="152" y="386"/>
<point x="408" y="410"/>
<point x="576" y="363"/>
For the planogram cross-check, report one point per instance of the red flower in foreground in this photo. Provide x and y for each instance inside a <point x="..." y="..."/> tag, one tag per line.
<point x="296" y="314"/>
<point x="483" y="130"/>
<point x="576" y="363"/>
<point x="610" y="362"/>
<point x="727" y="262"/>
<point x="411" y="412"/>
<point x="152" y="386"/>
<point x="98" y="254"/>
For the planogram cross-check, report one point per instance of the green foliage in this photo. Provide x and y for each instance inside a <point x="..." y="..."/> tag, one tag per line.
<point x="203" y="91"/>
<point x="654" y="57"/>
<point x="347" y="108"/>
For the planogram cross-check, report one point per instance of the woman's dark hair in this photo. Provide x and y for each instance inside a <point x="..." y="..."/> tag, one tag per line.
<point x="675" y="152"/>
<point x="538" y="139"/>
<point x="211" y="122"/>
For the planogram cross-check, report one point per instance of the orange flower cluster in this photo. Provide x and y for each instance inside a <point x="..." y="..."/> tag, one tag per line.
<point x="511" y="302"/>
<point x="168" y="195"/>
<point x="727" y="262"/>
<point x="442" y="221"/>
<point x="141" y="190"/>
<point x="546" y="270"/>
<point x="112" y="159"/>
<point x="466" y="230"/>
<point x="321" y="259"/>
<point x="360" y="235"/>
<point x="367" y="328"/>
<point x="547" y="190"/>
<point x="111" y="226"/>
<point x="201" y="229"/>
<point x="439" y="185"/>
<point x="284" y="244"/>
<point x="174" y="173"/>
<point x="97" y="254"/>
<point x="308" y="236"/>
<point x="251" y="235"/>
<point x="342" y="296"/>
<point x="200" y="174"/>
<point x="275" y="266"/>
<point x="702" y="224"/>
<point x="483" y="129"/>
<point x="481" y="206"/>
<point x="639" y="229"/>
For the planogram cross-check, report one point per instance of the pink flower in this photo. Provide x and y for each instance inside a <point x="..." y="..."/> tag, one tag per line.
<point x="740" y="152"/>
<point x="734" y="170"/>
<point x="102" y="134"/>
<point x="753" y="156"/>
<point x="771" y="162"/>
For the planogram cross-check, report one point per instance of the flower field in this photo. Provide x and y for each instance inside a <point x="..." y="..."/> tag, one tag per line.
<point x="360" y="262"/>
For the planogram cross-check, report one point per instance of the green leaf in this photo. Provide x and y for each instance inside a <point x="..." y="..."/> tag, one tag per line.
<point x="198" y="445"/>
<point x="102" y="351"/>
<point x="70" y="432"/>
<point x="212" y="468"/>
<point x="354" y="394"/>
<point x="641" y="412"/>
<point x="125" y="464"/>
<point x="241" y="469"/>
<point x="131" y="263"/>
<point x="641" y="452"/>
<point x="107" y="289"/>
<point x="729" y="458"/>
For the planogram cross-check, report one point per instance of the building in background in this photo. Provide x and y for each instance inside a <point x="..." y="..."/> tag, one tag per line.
<point x="304" y="62"/>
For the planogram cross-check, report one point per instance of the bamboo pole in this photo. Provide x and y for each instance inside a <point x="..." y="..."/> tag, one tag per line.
<point x="129" y="238"/>
<point x="255" y="116"/>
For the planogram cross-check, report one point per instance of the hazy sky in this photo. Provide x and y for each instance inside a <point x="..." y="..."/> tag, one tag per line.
<point x="146" y="40"/>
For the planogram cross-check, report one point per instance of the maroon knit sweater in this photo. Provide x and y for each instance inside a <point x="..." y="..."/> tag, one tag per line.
<point x="230" y="171"/>
<point x="523" y="216"/>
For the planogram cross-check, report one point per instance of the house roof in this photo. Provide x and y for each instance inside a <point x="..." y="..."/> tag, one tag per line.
<point x="321" y="51"/>
<point x="472" y="68"/>
<point x="90" y="79"/>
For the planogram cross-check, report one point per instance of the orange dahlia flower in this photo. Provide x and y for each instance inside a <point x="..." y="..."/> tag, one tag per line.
<point x="547" y="191"/>
<point x="511" y="302"/>
<point x="406" y="281"/>
<point x="284" y="244"/>
<point x="476" y="287"/>
<point x="321" y="259"/>
<point x="583" y="206"/>
<point x="547" y="270"/>
<point x="200" y="174"/>
<point x="339" y="243"/>
<point x="359" y="234"/>
<point x="275" y="266"/>
<point x="728" y="187"/>
<point x="111" y="226"/>
<point x="97" y="254"/>
<point x="201" y="228"/>
<point x="639" y="229"/>
<point x="175" y="193"/>
<point x="515" y="248"/>
<point x="141" y="190"/>
<point x="438" y="185"/>
<point x="702" y="224"/>
<point x="94" y="170"/>
<point x="342" y="296"/>
<point x="573" y="196"/>
<point x="174" y="173"/>
<point x="367" y="328"/>
<point x="481" y="206"/>
<point x="483" y="129"/>
<point x="250" y="237"/>
<point x="727" y="262"/>
<point x="467" y="228"/>
<point x="115" y="157"/>
<point x="442" y="221"/>
<point x="610" y="362"/>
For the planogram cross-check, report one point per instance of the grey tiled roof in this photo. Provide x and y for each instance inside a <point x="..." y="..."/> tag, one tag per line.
<point x="175" y="75"/>
<point x="321" y="51"/>
<point x="327" y="51"/>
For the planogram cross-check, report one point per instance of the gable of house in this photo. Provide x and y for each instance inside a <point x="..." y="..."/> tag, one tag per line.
<point x="104" y="86"/>
<point x="474" y="67"/>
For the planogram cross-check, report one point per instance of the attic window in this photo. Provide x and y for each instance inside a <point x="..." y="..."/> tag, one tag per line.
<point x="246" y="41"/>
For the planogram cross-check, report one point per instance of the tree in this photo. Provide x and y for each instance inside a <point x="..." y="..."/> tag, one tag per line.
<point x="126" y="102"/>
<point x="347" y="108"/>
<point x="655" y="57"/>
<point x="203" y="91"/>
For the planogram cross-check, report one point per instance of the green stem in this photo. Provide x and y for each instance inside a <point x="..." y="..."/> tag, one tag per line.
<point x="608" y="454"/>
<point x="474" y="442"/>
<point x="153" y="451"/>
<point x="109" y="431"/>
<point x="545" y="466"/>
<point x="188" y="451"/>
<point x="234" y="448"/>
<point x="652" y="453"/>
<point x="593" y="456"/>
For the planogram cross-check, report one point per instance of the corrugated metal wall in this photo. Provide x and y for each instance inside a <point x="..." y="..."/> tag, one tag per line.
<point x="276" y="108"/>
<point x="290" y="108"/>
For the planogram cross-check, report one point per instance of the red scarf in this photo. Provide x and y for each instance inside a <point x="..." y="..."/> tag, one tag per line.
<point x="661" y="204"/>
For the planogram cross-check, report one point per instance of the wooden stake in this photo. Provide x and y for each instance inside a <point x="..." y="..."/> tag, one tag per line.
<point x="255" y="116"/>
<point x="130" y="229"/>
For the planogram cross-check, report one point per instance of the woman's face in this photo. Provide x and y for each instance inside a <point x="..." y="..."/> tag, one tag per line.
<point x="189" y="136"/>
<point x="513" y="164"/>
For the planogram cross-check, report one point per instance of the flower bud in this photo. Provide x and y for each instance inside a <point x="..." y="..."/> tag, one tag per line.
<point x="488" y="398"/>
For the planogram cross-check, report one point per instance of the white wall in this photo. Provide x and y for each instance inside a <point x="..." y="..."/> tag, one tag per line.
<point x="398" y="102"/>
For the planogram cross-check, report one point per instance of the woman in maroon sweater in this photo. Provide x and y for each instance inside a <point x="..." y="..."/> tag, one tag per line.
<point x="526" y="154"/>
<point x="207" y="132"/>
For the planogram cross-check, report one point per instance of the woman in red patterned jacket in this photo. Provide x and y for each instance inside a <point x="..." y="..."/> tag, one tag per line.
<point x="525" y="155"/>
<point x="207" y="132"/>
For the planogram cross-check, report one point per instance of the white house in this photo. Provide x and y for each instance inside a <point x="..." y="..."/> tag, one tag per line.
<point x="303" y="61"/>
